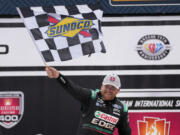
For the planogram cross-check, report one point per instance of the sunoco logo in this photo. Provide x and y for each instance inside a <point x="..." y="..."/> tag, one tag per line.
<point x="153" y="126"/>
<point x="11" y="108"/>
<point x="153" y="47"/>
<point x="106" y="117"/>
<point x="69" y="27"/>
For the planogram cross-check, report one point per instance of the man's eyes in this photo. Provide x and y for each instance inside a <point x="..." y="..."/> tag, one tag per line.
<point x="111" y="88"/>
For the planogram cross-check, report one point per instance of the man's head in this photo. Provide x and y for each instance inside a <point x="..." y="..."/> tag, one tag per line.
<point x="110" y="86"/>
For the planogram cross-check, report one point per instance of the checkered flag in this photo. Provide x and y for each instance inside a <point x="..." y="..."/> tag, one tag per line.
<point x="63" y="32"/>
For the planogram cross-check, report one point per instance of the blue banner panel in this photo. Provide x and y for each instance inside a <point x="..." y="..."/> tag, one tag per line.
<point x="143" y="2"/>
<point x="118" y="7"/>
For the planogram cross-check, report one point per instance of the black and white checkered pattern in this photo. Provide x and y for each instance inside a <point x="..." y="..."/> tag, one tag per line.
<point x="64" y="48"/>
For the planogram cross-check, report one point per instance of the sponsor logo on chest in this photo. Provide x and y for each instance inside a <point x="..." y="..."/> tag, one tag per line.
<point x="104" y="120"/>
<point x="106" y="117"/>
<point x="116" y="111"/>
<point x="100" y="103"/>
<point x="116" y="106"/>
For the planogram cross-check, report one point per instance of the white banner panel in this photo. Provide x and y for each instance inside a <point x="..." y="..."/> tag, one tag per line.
<point x="22" y="51"/>
<point x="121" y="38"/>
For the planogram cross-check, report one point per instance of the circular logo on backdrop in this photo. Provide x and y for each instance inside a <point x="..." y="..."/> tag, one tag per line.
<point x="153" y="47"/>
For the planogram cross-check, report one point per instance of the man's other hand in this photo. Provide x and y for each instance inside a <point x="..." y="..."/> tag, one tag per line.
<point x="52" y="72"/>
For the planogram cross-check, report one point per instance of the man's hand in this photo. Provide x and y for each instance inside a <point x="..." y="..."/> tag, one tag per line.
<point x="52" y="72"/>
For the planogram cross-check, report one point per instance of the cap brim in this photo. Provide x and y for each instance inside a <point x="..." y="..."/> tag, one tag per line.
<point x="111" y="85"/>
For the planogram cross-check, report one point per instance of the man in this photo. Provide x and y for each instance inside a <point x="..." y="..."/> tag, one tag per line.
<point x="102" y="112"/>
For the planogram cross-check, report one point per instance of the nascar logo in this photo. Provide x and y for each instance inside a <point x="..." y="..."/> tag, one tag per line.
<point x="69" y="27"/>
<point x="106" y="117"/>
<point x="153" y="47"/>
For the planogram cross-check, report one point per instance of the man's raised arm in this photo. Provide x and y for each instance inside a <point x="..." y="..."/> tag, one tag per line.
<point x="81" y="94"/>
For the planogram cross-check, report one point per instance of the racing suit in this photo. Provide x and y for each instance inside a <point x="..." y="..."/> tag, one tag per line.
<point x="99" y="117"/>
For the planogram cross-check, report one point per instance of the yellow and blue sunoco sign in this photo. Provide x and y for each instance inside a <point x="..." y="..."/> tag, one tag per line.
<point x="69" y="27"/>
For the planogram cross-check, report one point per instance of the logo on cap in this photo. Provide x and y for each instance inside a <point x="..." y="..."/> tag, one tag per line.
<point x="112" y="79"/>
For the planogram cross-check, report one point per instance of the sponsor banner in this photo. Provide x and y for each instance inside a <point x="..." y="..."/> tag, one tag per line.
<point x="153" y="113"/>
<point x="11" y="108"/>
<point x="109" y="6"/>
<point x="142" y="50"/>
<point x="156" y="123"/>
<point x="143" y="2"/>
<point x="152" y="103"/>
<point x="151" y="100"/>
<point x="140" y="41"/>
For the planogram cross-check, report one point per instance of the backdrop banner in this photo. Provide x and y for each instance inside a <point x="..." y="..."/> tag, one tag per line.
<point x="143" y="2"/>
<point x="143" y="51"/>
<point x="118" y="7"/>
<point x="153" y="113"/>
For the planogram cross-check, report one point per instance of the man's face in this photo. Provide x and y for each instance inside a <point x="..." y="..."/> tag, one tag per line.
<point x="109" y="92"/>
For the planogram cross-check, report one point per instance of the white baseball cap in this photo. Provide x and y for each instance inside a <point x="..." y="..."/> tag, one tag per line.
<point x="112" y="79"/>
